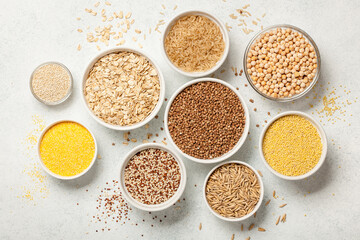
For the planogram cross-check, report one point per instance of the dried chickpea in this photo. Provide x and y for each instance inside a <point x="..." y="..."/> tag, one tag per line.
<point x="282" y="63"/>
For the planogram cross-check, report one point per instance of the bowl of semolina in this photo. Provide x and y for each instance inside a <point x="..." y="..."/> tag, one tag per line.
<point x="66" y="149"/>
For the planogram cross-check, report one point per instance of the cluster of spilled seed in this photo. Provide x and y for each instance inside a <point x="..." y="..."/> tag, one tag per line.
<point x="206" y="120"/>
<point x="152" y="176"/>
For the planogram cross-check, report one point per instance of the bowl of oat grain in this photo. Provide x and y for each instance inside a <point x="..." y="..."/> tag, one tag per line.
<point x="123" y="88"/>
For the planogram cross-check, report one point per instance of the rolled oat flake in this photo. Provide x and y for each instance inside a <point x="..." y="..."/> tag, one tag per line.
<point x="50" y="83"/>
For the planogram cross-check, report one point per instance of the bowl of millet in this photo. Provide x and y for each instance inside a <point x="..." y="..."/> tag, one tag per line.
<point x="207" y="120"/>
<point x="282" y="63"/>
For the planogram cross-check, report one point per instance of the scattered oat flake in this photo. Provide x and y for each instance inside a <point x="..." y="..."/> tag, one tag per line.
<point x="228" y="27"/>
<point x="283" y="219"/>
<point x="80" y="30"/>
<point x="137" y="31"/>
<point x="232" y="237"/>
<point x="248" y="238"/>
<point x="267" y="203"/>
<point x="264" y="15"/>
<point x="99" y="156"/>
<point x="164" y="142"/>
<point x="274" y="193"/>
<point x="140" y="46"/>
<point x="145" y="141"/>
<point x="107" y="3"/>
<point x="260" y="173"/>
<point x="255" y="23"/>
<point x="97" y="4"/>
<point x="125" y="143"/>
<point x="133" y="140"/>
<point x="79" y="47"/>
<point x="281" y="206"/>
<point x="175" y="7"/>
<point x="261" y="229"/>
<point x="78" y="18"/>
<point x="128" y="15"/>
<point x="233" y="16"/>
<point x="200" y="226"/>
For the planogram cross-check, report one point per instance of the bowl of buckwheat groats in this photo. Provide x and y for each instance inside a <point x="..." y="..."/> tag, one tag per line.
<point x="207" y="120"/>
<point x="282" y="63"/>
<point x="152" y="177"/>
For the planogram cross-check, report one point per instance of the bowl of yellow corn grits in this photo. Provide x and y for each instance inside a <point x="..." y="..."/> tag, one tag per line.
<point x="293" y="145"/>
<point x="66" y="149"/>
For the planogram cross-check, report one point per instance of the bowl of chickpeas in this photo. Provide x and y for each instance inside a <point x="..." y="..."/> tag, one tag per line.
<point x="282" y="63"/>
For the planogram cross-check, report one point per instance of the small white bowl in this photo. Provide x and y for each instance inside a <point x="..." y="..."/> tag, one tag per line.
<point x="225" y="37"/>
<point x="154" y="111"/>
<point x="257" y="205"/>
<point x="156" y="207"/>
<point x="323" y="140"/>
<point x="57" y="175"/>
<point x="242" y="138"/>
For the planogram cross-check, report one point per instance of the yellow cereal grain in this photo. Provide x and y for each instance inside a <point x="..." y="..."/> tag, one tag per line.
<point x="292" y="145"/>
<point x="67" y="149"/>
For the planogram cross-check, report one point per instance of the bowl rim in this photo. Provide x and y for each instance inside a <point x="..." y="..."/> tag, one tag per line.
<point x="312" y="42"/>
<point x="257" y="206"/>
<point x="170" y="201"/>
<point x="68" y="92"/>
<point x="57" y="175"/>
<point x="240" y="142"/>
<point x="321" y="133"/>
<point x="156" y="108"/>
<point x="213" y="18"/>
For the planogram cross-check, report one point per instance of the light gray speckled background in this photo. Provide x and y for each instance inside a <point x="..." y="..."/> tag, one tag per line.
<point x="325" y="206"/>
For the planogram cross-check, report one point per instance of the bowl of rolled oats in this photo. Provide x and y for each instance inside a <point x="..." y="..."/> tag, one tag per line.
<point x="123" y="88"/>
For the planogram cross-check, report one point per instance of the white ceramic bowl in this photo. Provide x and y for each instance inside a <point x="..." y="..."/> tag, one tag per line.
<point x="155" y="110"/>
<point x="323" y="140"/>
<point x="157" y="207"/>
<point x="67" y="94"/>
<point x="212" y="18"/>
<point x="54" y="174"/>
<point x="257" y="205"/>
<point x="242" y="138"/>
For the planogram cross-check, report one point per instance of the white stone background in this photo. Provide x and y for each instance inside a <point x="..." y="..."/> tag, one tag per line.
<point x="325" y="206"/>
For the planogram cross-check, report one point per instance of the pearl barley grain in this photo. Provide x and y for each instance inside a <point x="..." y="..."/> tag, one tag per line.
<point x="51" y="82"/>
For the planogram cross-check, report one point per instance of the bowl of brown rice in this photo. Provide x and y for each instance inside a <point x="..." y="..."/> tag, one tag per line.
<point x="233" y="191"/>
<point x="195" y="43"/>
<point x="123" y="88"/>
<point x="152" y="177"/>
